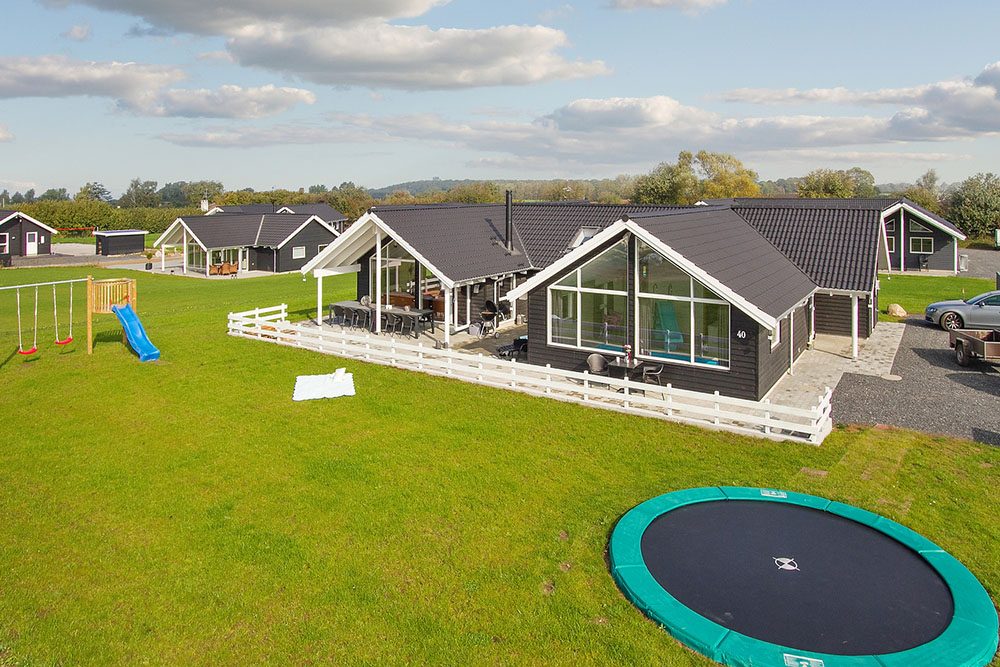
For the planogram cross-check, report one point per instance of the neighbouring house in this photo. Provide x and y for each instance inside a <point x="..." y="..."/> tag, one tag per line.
<point x="324" y="212"/>
<point x="762" y="277"/>
<point x="23" y="236"/>
<point x="274" y="242"/>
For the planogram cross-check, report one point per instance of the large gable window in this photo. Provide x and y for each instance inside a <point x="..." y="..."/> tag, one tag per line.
<point x="588" y="307"/>
<point x="680" y="319"/>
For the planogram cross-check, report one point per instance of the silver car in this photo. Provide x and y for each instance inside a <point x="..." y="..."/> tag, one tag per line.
<point x="979" y="312"/>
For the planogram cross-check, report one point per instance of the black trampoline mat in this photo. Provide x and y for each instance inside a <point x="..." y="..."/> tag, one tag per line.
<point x="856" y="591"/>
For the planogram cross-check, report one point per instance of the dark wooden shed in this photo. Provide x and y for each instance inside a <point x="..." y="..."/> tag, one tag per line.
<point x="120" y="242"/>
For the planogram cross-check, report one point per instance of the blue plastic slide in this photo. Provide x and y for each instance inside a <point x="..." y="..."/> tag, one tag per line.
<point x="137" y="337"/>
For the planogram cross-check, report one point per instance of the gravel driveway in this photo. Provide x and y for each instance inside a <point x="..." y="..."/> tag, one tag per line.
<point x="935" y="394"/>
<point x="982" y="263"/>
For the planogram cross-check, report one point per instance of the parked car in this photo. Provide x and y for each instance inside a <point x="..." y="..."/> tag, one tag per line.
<point x="979" y="312"/>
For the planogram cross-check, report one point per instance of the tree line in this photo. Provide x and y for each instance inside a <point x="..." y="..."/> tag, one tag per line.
<point x="973" y="205"/>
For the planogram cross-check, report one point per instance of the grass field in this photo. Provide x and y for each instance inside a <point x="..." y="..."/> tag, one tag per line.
<point x="188" y="511"/>
<point x="915" y="293"/>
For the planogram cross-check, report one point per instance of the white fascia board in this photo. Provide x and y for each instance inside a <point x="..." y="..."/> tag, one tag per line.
<point x="180" y="221"/>
<point x="354" y="231"/>
<point x="17" y="214"/>
<point x="214" y="210"/>
<point x="704" y="278"/>
<point x="337" y="271"/>
<point x="312" y="218"/>
<point x="843" y="292"/>
<point x="564" y="262"/>
<point x="884" y="240"/>
<point x="283" y="209"/>
<point x="163" y="236"/>
<point x="903" y="205"/>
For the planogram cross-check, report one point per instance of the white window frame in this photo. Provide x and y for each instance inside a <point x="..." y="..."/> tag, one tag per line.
<point x="915" y="226"/>
<point x="922" y="239"/>
<point x="4" y="243"/>
<point x="775" y="336"/>
<point x="298" y="252"/>
<point x="579" y="291"/>
<point x="321" y="247"/>
<point x="890" y="243"/>
<point x="692" y="300"/>
<point x="890" y="225"/>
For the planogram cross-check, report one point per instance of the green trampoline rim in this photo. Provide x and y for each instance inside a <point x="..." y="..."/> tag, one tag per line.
<point x="970" y="640"/>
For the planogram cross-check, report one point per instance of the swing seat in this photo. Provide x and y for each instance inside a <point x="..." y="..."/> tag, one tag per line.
<point x="64" y="342"/>
<point x="27" y="352"/>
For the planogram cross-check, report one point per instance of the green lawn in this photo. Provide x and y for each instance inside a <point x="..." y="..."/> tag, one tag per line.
<point x="915" y="293"/>
<point x="187" y="511"/>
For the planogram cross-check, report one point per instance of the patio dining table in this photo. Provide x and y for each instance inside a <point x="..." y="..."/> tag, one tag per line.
<point x="418" y="315"/>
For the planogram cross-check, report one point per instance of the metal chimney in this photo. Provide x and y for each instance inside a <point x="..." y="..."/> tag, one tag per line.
<point x="509" y="220"/>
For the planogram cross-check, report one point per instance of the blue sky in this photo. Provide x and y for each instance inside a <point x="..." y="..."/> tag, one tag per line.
<point x="264" y="94"/>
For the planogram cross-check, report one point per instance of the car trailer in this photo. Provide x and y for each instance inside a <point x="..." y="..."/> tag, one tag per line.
<point x="973" y="344"/>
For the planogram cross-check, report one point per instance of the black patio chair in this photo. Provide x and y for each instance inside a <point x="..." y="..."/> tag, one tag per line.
<point x="407" y="322"/>
<point x="350" y="316"/>
<point x="654" y="374"/>
<point x="390" y="323"/>
<point x="339" y="315"/>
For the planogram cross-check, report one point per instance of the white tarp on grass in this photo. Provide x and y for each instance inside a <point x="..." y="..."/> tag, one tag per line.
<point x="334" y="385"/>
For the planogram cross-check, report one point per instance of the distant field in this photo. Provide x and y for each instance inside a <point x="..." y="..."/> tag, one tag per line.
<point x="187" y="511"/>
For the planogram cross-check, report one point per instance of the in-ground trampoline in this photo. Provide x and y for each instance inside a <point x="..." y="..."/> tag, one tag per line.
<point x="758" y="577"/>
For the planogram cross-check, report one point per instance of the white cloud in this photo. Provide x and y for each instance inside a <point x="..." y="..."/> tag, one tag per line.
<point x="281" y="135"/>
<point x="226" y="102"/>
<point x="5" y="134"/>
<point x="943" y="110"/>
<point x="141" y="89"/>
<point x="223" y="56"/>
<point x="557" y="12"/>
<point x="59" y="76"/>
<point x="379" y="55"/>
<point x="811" y="156"/>
<point x="199" y="17"/>
<point x="17" y="186"/>
<point x="688" y="6"/>
<point x="78" y="33"/>
<point x="353" y="43"/>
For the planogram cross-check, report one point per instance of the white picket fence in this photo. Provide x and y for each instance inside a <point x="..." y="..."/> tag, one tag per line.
<point x="714" y="411"/>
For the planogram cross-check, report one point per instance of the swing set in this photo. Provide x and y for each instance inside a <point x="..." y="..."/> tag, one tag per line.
<point x="101" y="296"/>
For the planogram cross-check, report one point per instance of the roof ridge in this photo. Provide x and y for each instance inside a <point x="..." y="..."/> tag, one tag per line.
<point x="256" y="240"/>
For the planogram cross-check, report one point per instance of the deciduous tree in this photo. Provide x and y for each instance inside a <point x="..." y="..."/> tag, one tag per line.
<point x="140" y="194"/>
<point x="974" y="206"/>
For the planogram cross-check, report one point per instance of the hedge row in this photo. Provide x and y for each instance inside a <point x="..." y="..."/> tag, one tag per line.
<point x="63" y="214"/>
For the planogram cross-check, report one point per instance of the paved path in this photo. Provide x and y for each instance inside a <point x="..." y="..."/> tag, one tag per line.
<point x="823" y="365"/>
<point x="935" y="394"/>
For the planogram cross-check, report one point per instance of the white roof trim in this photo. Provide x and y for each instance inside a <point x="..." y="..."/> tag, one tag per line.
<point x="180" y="221"/>
<point x="903" y="205"/>
<point x="697" y="272"/>
<point x="884" y="242"/>
<point x="556" y="267"/>
<point x="28" y="217"/>
<point x="303" y="225"/>
<point x="356" y="230"/>
<point x="214" y="210"/>
<point x="608" y="234"/>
